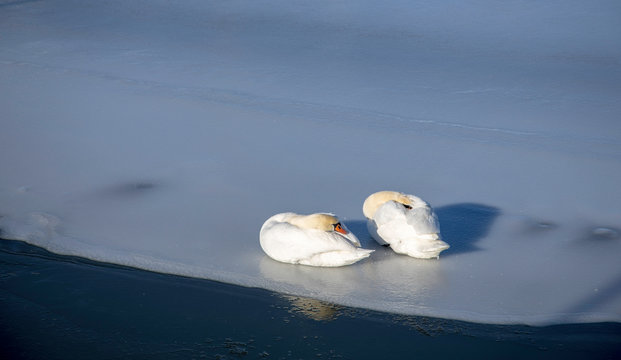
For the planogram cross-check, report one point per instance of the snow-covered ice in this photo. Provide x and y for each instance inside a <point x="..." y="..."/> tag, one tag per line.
<point x="161" y="135"/>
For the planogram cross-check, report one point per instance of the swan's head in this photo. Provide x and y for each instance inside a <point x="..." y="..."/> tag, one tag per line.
<point x="374" y="201"/>
<point x="324" y="222"/>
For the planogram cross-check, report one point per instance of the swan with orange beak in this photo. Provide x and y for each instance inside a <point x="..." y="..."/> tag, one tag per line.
<point x="404" y="222"/>
<point x="316" y="240"/>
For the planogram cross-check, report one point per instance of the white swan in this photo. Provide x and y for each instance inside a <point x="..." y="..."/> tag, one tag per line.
<point x="316" y="240"/>
<point x="405" y="222"/>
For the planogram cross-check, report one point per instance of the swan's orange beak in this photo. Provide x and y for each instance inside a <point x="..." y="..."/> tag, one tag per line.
<point x="340" y="229"/>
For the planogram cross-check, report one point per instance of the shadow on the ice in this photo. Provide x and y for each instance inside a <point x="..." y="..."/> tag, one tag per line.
<point x="461" y="225"/>
<point x="602" y="296"/>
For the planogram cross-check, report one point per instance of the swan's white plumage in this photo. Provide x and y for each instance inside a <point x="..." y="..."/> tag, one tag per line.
<point x="306" y="240"/>
<point x="405" y="222"/>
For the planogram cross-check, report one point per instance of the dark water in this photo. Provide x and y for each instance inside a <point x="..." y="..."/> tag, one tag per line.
<point x="59" y="307"/>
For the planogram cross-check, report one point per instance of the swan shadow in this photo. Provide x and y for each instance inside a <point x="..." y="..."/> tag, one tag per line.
<point x="592" y="303"/>
<point x="462" y="226"/>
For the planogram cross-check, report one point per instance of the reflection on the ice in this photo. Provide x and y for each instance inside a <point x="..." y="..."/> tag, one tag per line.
<point x="293" y="278"/>
<point x="403" y="282"/>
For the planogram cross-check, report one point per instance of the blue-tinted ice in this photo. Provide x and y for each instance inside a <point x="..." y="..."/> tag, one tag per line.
<point x="161" y="136"/>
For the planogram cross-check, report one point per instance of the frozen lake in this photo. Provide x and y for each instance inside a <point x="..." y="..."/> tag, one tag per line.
<point x="161" y="136"/>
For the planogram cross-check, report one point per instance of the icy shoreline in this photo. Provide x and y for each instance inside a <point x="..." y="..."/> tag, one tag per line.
<point x="61" y="307"/>
<point x="412" y="284"/>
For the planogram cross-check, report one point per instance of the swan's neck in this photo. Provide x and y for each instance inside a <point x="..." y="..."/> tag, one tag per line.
<point x="323" y="222"/>
<point x="373" y="202"/>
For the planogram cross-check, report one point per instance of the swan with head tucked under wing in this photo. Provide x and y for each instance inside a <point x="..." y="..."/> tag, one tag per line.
<point x="316" y="240"/>
<point x="404" y="222"/>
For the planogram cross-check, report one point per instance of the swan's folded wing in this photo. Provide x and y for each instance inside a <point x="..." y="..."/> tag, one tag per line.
<point x="396" y="231"/>
<point x="389" y="212"/>
<point x="423" y="220"/>
<point x="337" y="257"/>
<point x="281" y="241"/>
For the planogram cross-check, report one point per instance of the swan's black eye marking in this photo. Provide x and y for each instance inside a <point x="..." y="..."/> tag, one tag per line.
<point x="339" y="228"/>
<point x="407" y="206"/>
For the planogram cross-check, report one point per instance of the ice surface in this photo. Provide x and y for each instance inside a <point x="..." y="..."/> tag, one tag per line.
<point x="161" y="135"/>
